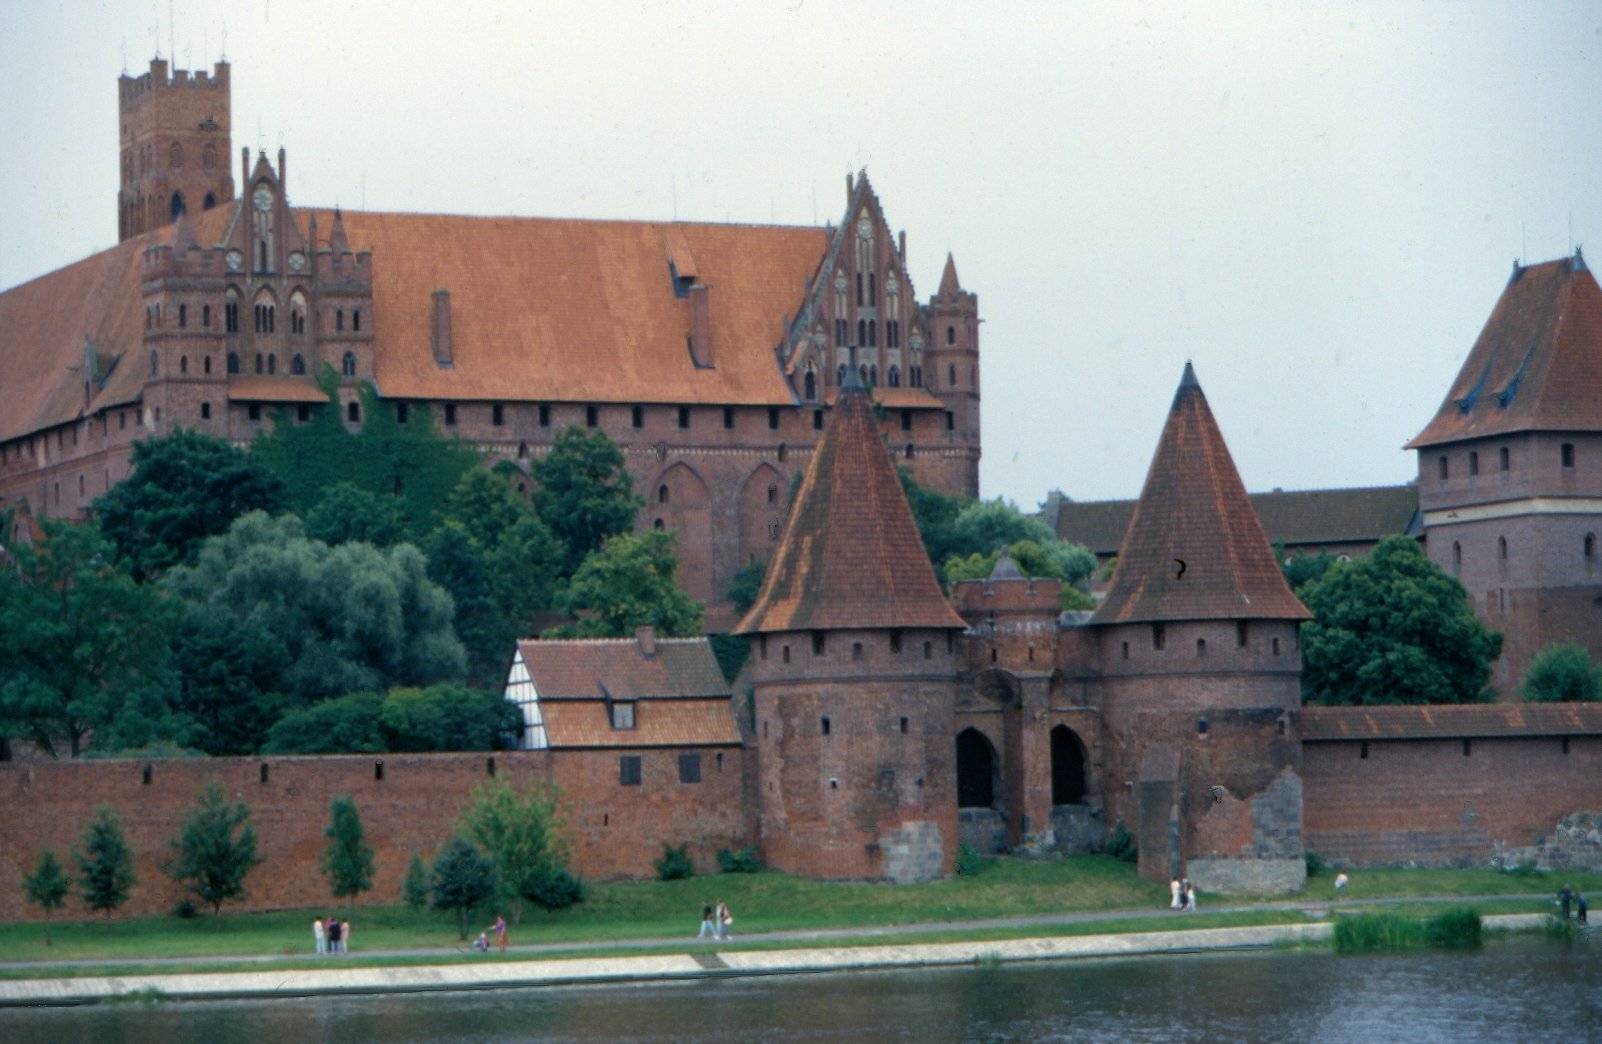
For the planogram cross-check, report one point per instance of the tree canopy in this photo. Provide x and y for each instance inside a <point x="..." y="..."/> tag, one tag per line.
<point x="1070" y="563"/>
<point x="83" y="648"/>
<point x="348" y="859"/>
<point x="626" y="585"/>
<point x="523" y="833"/>
<point x="351" y="618"/>
<point x="443" y="717"/>
<point x="105" y="863"/>
<point x="1563" y="673"/>
<point x="1393" y="628"/>
<point x="185" y="487"/>
<point x="215" y="850"/>
<point x="462" y="881"/>
<point x="585" y="494"/>
<point x="347" y="513"/>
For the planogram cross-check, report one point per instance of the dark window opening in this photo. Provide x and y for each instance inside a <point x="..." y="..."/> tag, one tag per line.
<point x="684" y="417"/>
<point x="976" y="770"/>
<point x="811" y="385"/>
<point x="545" y="416"/>
<point x="233" y="362"/>
<point x="303" y="413"/>
<point x="254" y="411"/>
<point x="773" y="419"/>
<point x="628" y="770"/>
<point x="819" y="643"/>
<point x="497" y="415"/>
<point x="205" y="316"/>
<point x="1126" y="650"/>
<point x="1241" y="634"/>
<point x="824" y="722"/>
<point x="1457" y="553"/>
<point x="489" y="767"/>
<point x="773" y="494"/>
<point x="1362" y="750"/>
<point x="1201" y="647"/>
<point x="895" y="641"/>
<point x="378" y="771"/>
<point x="1442" y="468"/>
<point x="353" y="413"/>
<point x="689" y="768"/>
<point x="1590" y="545"/>
<point x="1501" y="548"/>
<point x="297" y="366"/>
<point x="339" y="320"/>
<point x="1273" y="646"/>
<point x="1502" y="453"/>
<point x="951" y="336"/>
<point x="183" y="316"/>
<point x="728" y="417"/>
<point x="356" y="319"/>
<point x="1067" y="767"/>
<point x="904" y="724"/>
<point x="592" y="416"/>
<point x="928" y="650"/>
<point x="1474" y="462"/>
<point x="1201" y="726"/>
<point x="205" y="411"/>
<point x="856" y="650"/>
<point x="347" y="365"/>
<point x="817" y="421"/>
<point x="1468" y="748"/>
<point x="145" y="776"/>
<point x="264" y="772"/>
<point x="906" y="420"/>
<point x="637" y="417"/>
<point x="1159" y="636"/>
<point x="785" y="654"/>
<point x="1566" y="454"/>
<point x="402" y="412"/>
<point x="662" y="494"/>
<point x="450" y="414"/>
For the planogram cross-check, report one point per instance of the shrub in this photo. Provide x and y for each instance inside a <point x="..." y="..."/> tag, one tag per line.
<point x="557" y="890"/>
<point x="186" y="910"/>
<point x="1121" y="845"/>
<point x="414" y="890"/>
<point x="1562" y="673"/>
<point x="1315" y="863"/>
<point x="675" y="864"/>
<point x="970" y="862"/>
<point x="1526" y="869"/>
<point x="1459" y="928"/>
<point x="745" y="861"/>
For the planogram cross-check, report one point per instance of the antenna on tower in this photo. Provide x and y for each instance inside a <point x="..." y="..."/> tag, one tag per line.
<point x="172" y="33"/>
<point x="125" y="55"/>
<point x="222" y="49"/>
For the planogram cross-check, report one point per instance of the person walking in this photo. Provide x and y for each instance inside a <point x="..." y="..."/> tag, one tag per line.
<point x="344" y="936"/>
<point x="1173" y="891"/>
<point x="725" y="925"/>
<point x="500" y="932"/>
<point x="1190" y="897"/>
<point x="708" y="926"/>
<point x="319" y="937"/>
<point x="333" y="936"/>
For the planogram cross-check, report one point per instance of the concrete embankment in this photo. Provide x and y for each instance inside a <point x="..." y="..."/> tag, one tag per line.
<point x="262" y="985"/>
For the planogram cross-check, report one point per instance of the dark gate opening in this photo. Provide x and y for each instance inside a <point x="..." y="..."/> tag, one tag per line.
<point x="1067" y="767"/>
<point x="976" y="768"/>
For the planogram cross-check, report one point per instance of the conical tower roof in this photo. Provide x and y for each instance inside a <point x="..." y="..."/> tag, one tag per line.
<point x="1537" y="364"/>
<point x="949" y="283"/>
<point x="851" y="557"/>
<point x="1195" y="549"/>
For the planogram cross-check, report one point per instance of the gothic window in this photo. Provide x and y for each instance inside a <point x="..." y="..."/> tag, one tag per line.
<point x="840" y="335"/>
<point x="810" y="385"/>
<point x="175" y="157"/>
<point x="873" y="290"/>
<point x="272" y="363"/>
<point x="153" y="364"/>
<point x="347" y="365"/>
<point x="183" y="316"/>
<point x="176" y="207"/>
<point x="1501" y="548"/>
<point x="259" y="363"/>
<point x="662" y="494"/>
<point x="873" y="333"/>
<point x="183" y="364"/>
<point x="353" y="413"/>
<point x="893" y="378"/>
<point x="862" y="331"/>
<point x="231" y="311"/>
<point x="233" y="362"/>
<point x="209" y="202"/>
<point x="297" y="366"/>
<point x="205" y="316"/>
<point x="339" y="320"/>
<point x="297" y="314"/>
<point x="951" y="335"/>
<point x="266" y="320"/>
<point x="208" y="160"/>
<point x="356" y="319"/>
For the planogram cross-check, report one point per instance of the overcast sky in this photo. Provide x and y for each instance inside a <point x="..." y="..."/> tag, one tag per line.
<point x="1317" y="204"/>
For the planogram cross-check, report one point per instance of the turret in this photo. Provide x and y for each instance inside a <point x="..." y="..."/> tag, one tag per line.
<point x="952" y="368"/>
<point x="174" y="145"/>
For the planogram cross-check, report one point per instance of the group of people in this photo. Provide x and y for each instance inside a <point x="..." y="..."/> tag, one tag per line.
<point x="332" y="935"/>
<point x="1569" y="899"/>
<point x="498" y="929"/>
<point x="1184" y="894"/>
<point x="716" y="921"/>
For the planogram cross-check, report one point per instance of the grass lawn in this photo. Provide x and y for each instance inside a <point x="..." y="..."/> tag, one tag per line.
<point x="761" y="903"/>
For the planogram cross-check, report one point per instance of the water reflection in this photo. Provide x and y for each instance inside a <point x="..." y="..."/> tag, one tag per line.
<point x="1528" y="988"/>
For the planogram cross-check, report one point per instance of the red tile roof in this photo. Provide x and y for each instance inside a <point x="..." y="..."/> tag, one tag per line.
<point x="577" y="668"/>
<point x="850" y="557"/>
<point x="275" y="389"/>
<point x="1537" y="364"/>
<point x="657" y="723"/>
<point x="1451" y="721"/>
<point x="1193" y="510"/>
<point x="580" y="311"/>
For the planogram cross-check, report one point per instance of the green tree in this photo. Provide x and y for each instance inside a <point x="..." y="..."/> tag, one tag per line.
<point x="626" y="585"/>
<point x="348" y="859"/>
<point x="47" y="887"/>
<point x="585" y="494"/>
<point x="343" y="725"/>
<point x="1300" y="570"/>
<point x="105" y="863"/>
<point x="215" y="850"/>
<point x="1563" y="673"/>
<point x="446" y="717"/>
<point x="347" y="513"/>
<point x="83" y="648"/>
<point x="1393" y="628"/>
<point x="935" y="514"/>
<point x="747" y="584"/>
<point x="523" y="833"/>
<point x="415" y="890"/>
<point x="462" y="882"/>
<point x="230" y="679"/>
<point x="185" y="487"/>
<point x="410" y="461"/>
<point x="1057" y="560"/>
<point x="352" y="618"/>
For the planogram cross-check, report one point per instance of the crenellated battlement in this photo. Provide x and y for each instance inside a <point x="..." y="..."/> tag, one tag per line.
<point x="134" y="91"/>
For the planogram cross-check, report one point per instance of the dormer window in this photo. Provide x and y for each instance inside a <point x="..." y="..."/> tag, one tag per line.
<point x="622" y="714"/>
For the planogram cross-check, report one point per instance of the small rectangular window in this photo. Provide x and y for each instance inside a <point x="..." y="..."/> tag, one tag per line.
<point x="1502" y="453"/>
<point x="1442" y="467"/>
<point x="825" y="723"/>
<point x="904" y="726"/>
<point x="819" y="643"/>
<point x="402" y="412"/>
<point x="1159" y="636"/>
<point x="205" y="411"/>
<point x="1362" y="750"/>
<point x="254" y="411"/>
<point x="728" y="418"/>
<point x="303" y="413"/>
<point x="1566" y="452"/>
<point x="497" y="415"/>
<point x="951" y="421"/>
<point x="817" y="420"/>
<point x="1241" y="635"/>
<point x="1468" y="748"/>
<point x="592" y="416"/>
<point x="545" y="416"/>
<point x="684" y="417"/>
<point x="773" y="419"/>
<point x="637" y="417"/>
<point x="689" y="768"/>
<point x="895" y="641"/>
<point x="450" y="414"/>
<point x="906" y="420"/>
<point x="628" y="770"/>
<point x="623" y="714"/>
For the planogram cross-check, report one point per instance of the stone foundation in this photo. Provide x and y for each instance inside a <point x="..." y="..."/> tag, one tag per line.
<point x="1079" y="829"/>
<point x="1221" y="876"/>
<point x="982" y="829"/>
<point x="1576" y="844"/>
<point x="914" y="852"/>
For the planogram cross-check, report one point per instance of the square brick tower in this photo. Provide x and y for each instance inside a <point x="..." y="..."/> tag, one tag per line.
<point x="1199" y="674"/>
<point x="174" y="134"/>
<point x="854" y="669"/>
<point x="1510" y="468"/>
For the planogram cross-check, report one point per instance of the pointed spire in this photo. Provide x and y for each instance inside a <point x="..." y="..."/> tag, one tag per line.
<point x="336" y="235"/>
<point x="1195" y="549"/>
<point x="949" y="284"/>
<point x="850" y="556"/>
<point x="1006" y="568"/>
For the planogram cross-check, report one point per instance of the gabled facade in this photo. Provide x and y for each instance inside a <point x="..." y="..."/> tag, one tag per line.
<point x="1510" y="468"/>
<point x="710" y="353"/>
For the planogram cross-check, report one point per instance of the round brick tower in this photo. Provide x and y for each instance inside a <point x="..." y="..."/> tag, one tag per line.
<point x="854" y="658"/>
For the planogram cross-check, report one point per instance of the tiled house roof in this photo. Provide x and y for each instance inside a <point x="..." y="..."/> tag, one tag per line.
<point x="677" y="694"/>
<point x="1450" y="721"/>
<point x="1195" y="550"/>
<point x="44" y="323"/>
<point x="1289" y="517"/>
<point x="1537" y="364"/>
<point x="581" y="311"/>
<point x="850" y="556"/>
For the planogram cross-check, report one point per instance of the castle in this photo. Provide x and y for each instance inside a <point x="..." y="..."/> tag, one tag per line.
<point x="710" y="353"/>
<point x="879" y="724"/>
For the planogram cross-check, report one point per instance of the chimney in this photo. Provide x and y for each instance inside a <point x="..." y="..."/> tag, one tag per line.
<point x="442" y="328"/>
<point x="645" y="638"/>
<point x="701" y="326"/>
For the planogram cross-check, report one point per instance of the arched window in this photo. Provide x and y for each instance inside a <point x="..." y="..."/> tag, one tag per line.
<point x="272" y="363"/>
<point x="297" y="366"/>
<point x="1067" y="767"/>
<point x="356" y="319"/>
<point x="811" y="385"/>
<point x="353" y="413"/>
<point x="951" y="335"/>
<point x="205" y="316"/>
<point x="862" y="331"/>
<point x="208" y="160"/>
<point x="347" y="366"/>
<point x="917" y="377"/>
<point x="233" y="362"/>
<point x="339" y="319"/>
<point x="1501" y="548"/>
<point x="893" y="378"/>
<point x="209" y="202"/>
<point x="662" y="494"/>
<point x="183" y="364"/>
<point x="231" y="310"/>
<point x="154" y="363"/>
<point x="658" y="525"/>
<point x="1457" y="553"/>
<point x="175" y="157"/>
<point x="206" y="363"/>
<point x="259" y="363"/>
<point x="297" y="314"/>
<point x="177" y="205"/>
<point x="976" y="770"/>
<point x="951" y="376"/>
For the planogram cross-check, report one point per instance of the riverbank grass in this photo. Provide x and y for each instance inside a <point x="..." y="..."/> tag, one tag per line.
<point x="1458" y="928"/>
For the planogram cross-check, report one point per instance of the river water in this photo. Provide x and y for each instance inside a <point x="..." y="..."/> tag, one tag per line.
<point x="1521" y="989"/>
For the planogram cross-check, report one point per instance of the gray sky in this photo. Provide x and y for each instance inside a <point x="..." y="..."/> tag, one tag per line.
<point x="1317" y="204"/>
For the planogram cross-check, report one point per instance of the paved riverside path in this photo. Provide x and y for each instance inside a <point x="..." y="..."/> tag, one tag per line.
<point x="819" y="935"/>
